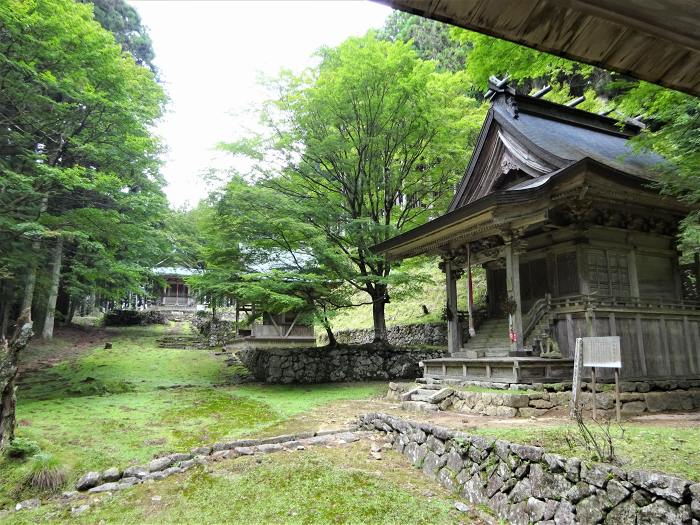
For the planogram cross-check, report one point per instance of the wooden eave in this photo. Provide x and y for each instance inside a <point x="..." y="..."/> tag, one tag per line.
<point x="655" y="41"/>
<point x="507" y="209"/>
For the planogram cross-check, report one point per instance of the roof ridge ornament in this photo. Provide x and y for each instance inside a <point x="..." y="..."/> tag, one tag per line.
<point x="496" y="85"/>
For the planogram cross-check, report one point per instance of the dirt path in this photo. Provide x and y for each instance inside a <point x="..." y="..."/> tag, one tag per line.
<point x="69" y="343"/>
<point x="346" y="412"/>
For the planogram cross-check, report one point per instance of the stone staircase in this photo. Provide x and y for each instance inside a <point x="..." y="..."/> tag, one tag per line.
<point x="182" y="342"/>
<point x="427" y="398"/>
<point x="491" y="340"/>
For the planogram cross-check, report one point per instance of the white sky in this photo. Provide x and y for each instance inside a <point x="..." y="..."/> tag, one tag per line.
<point x="210" y="55"/>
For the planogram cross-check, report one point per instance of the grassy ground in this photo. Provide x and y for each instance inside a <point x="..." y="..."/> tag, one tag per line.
<point x="339" y="485"/>
<point x="406" y="307"/>
<point x="111" y="407"/>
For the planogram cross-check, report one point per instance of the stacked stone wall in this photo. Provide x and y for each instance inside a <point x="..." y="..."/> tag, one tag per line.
<point x="533" y="404"/>
<point x="524" y="484"/>
<point x="217" y="332"/>
<point x="434" y="334"/>
<point x="343" y="363"/>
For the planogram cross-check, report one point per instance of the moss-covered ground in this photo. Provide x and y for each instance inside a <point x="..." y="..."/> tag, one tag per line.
<point x="105" y="408"/>
<point x="322" y="485"/>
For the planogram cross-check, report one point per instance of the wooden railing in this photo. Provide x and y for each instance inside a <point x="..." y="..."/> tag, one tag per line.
<point x="578" y="303"/>
<point x="537" y="312"/>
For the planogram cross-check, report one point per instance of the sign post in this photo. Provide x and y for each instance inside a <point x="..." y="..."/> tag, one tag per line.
<point x="600" y="352"/>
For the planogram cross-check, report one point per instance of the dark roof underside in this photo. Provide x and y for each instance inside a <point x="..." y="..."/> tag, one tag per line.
<point x="657" y="41"/>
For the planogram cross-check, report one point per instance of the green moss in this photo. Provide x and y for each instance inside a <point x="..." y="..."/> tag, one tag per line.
<point x="315" y="486"/>
<point x="110" y="407"/>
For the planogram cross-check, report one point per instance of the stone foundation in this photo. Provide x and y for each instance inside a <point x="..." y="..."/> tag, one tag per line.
<point x="532" y="404"/>
<point x="342" y="363"/>
<point x="524" y="484"/>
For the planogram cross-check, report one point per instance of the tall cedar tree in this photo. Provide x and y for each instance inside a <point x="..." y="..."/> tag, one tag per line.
<point x="81" y="194"/>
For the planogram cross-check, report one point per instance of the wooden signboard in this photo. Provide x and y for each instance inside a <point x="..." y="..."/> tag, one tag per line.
<point x="596" y="352"/>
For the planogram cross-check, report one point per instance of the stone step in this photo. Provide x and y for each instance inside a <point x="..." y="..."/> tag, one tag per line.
<point x="478" y="354"/>
<point x="419" y="406"/>
<point x="421" y="398"/>
<point x="425" y="392"/>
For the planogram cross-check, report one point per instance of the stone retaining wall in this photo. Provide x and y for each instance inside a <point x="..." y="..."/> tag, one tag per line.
<point x="525" y="484"/>
<point x="533" y="404"/>
<point x="434" y="334"/>
<point x="343" y="363"/>
<point x="217" y="332"/>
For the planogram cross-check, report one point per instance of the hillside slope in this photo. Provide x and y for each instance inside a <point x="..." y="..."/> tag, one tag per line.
<point x="406" y="306"/>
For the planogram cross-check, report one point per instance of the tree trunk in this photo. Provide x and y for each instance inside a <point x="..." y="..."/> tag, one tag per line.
<point x="8" y="374"/>
<point x="7" y="300"/>
<point x="30" y="281"/>
<point x="332" y="341"/>
<point x="378" y="317"/>
<point x="56" y="256"/>
<point x="71" y="311"/>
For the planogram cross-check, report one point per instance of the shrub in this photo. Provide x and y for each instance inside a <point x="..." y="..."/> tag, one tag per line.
<point x="21" y="448"/>
<point x="134" y="317"/>
<point x="45" y="473"/>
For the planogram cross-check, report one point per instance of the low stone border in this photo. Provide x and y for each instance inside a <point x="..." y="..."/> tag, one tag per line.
<point x="114" y="479"/>
<point x="525" y="484"/>
<point x="534" y="404"/>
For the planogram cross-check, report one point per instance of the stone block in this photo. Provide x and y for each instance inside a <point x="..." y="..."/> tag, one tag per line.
<point x="111" y="474"/>
<point x="541" y="403"/>
<point x="661" y="511"/>
<point x="106" y="487"/>
<point x="432" y="463"/>
<point x="436" y="445"/>
<point x="564" y="514"/>
<point x="623" y="514"/>
<point x="536" y="509"/>
<point x="614" y="494"/>
<point x="159" y="464"/>
<point x="546" y="485"/>
<point x="669" y="487"/>
<point x="500" y="411"/>
<point x="578" y="492"/>
<point x="88" y="481"/>
<point x="589" y="511"/>
<point x="527" y="452"/>
<point x="632" y="408"/>
<point x="695" y="499"/>
<point x="596" y="474"/>
<point x="446" y="478"/>
<point x="454" y="461"/>
<point x="532" y="412"/>
<point x="515" y="400"/>
<point x="555" y="462"/>
<point x="135" y="471"/>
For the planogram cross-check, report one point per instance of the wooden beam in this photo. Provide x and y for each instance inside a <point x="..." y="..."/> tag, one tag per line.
<point x="291" y="327"/>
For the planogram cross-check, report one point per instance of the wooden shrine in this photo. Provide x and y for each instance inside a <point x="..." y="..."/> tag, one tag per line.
<point x="576" y="242"/>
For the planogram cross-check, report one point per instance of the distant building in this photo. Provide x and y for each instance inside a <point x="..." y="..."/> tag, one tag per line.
<point x="175" y="293"/>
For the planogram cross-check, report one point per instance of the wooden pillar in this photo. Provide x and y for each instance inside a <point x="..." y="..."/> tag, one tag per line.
<point x="454" y="338"/>
<point x="515" y="319"/>
<point x="470" y="293"/>
<point x="633" y="277"/>
<point x="697" y="275"/>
